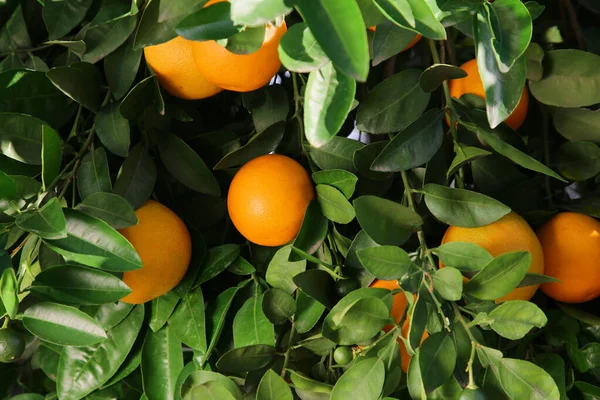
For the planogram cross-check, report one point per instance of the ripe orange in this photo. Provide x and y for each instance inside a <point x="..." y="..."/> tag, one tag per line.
<point x="176" y="71"/>
<point x="571" y="243"/>
<point x="509" y="233"/>
<point x="267" y="199"/>
<point x="471" y="84"/>
<point x="165" y="247"/>
<point x="399" y="304"/>
<point x="418" y="37"/>
<point x="239" y="72"/>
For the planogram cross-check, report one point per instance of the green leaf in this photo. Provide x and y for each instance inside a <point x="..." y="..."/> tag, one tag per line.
<point x="109" y="207"/>
<point x="570" y="79"/>
<point x="161" y="309"/>
<point x="385" y="262"/>
<point x="143" y="95"/>
<point x="281" y="271"/>
<point x="448" y="282"/>
<point x="278" y="306"/>
<point x="555" y="366"/>
<point x="512" y="29"/>
<point x="113" y="130"/>
<point x="502" y="90"/>
<point x="337" y="154"/>
<point x="186" y="166"/>
<point x="299" y="50"/>
<point x="7" y="186"/>
<point x="249" y="358"/>
<point x="308" y="312"/>
<point x="516" y="155"/>
<point x="136" y="178"/>
<point x="61" y="324"/>
<point x="171" y="10"/>
<point x="531" y="278"/>
<point x="418" y="318"/>
<point x="210" y="23"/>
<point x="82" y="370"/>
<point x="247" y="41"/>
<point x="80" y="82"/>
<point x="340" y="31"/>
<point x="93" y="175"/>
<point x="187" y="322"/>
<point x="262" y="143"/>
<point x="273" y="387"/>
<point x="437" y="358"/>
<point x="389" y="40"/>
<point x="312" y="232"/>
<point x="302" y="382"/>
<point x="109" y="29"/>
<point x="342" y="180"/>
<point x="79" y="285"/>
<point x="76" y="46"/>
<point x="162" y="361"/>
<point x="589" y="391"/>
<point x="535" y="9"/>
<point x="459" y="207"/>
<point x="362" y="381"/>
<point x="385" y="221"/>
<point x="48" y="222"/>
<point x="198" y="378"/>
<point x="514" y="319"/>
<point x="13" y="34"/>
<point x="414" y="145"/>
<point x="434" y="76"/>
<point x="534" y="56"/>
<point x="334" y="204"/>
<point x="327" y="101"/>
<point x="464" y="256"/>
<point x="150" y="31"/>
<point x="241" y="266"/>
<point x="32" y="93"/>
<point x="364" y="157"/>
<point x="21" y="138"/>
<point x="92" y="242"/>
<point x="110" y="315"/>
<point x="317" y="284"/>
<point x="578" y="161"/>
<point x="251" y="326"/>
<point x="398" y="11"/>
<point x="500" y="276"/>
<point x="464" y="155"/>
<point x="257" y="12"/>
<point x="577" y="123"/>
<point x="393" y="104"/>
<point x="51" y="155"/>
<point x="216" y="261"/>
<point x="121" y="67"/>
<point x="522" y="379"/>
<point x="8" y="292"/>
<point x="269" y="105"/>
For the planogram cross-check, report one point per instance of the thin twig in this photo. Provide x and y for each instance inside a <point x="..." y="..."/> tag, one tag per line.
<point x="574" y="23"/>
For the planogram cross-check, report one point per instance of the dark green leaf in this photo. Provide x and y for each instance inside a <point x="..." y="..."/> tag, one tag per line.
<point x="334" y="204"/>
<point x="162" y="361"/>
<point x="313" y="230"/>
<point x="111" y="208"/>
<point x="535" y="9"/>
<point x="113" y="130"/>
<point x="187" y="322"/>
<point x="301" y="381"/>
<point x="8" y="292"/>
<point x="448" y="282"/>
<point x="109" y="29"/>
<point x="93" y="175"/>
<point x="308" y="312"/>
<point x="169" y="10"/>
<point x="577" y="123"/>
<point x="216" y="314"/>
<point x="256" y="12"/>
<point x="531" y="278"/>
<point x="136" y="178"/>
<point x="434" y="76"/>
<point x="217" y="260"/>
<point x="241" y="266"/>
<point x="249" y="358"/>
<point x="48" y="222"/>
<point x="589" y="391"/>
<point x="81" y="370"/>
<point x="340" y="31"/>
<point x="110" y="315"/>
<point x="272" y="107"/>
<point x="534" y="56"/>
<point x="13" y="34"/>
<point x="362" y="381"/>
<point x="500" y="276"/>
<point x="437" y="358"/>
<point x="459" y="207"/>
<point x="413" y="146"/>
<point x="7" y="186"/>
<point x="342" y="180"/>
<point x="363" y="159"/>
<point x="79" y="81"/>
<point x="514" y="319"/>
<point x="281" y="271"/>
<point x="21" y="137"/>
<point x="247" y="41"/>
<point x="210" y="23"/>
<point x="51" y="155"/>
<point x="385" y="221"/>
<point x="79" y="285"/>
<point x="64" y="325"/>
<point x="121" y="67"/>
<point x="398" y="11"/>
<point x="464" y="256"/>
<point x="143" y="95"/>
<point x="278" y="306"/>
<point x="161" y="309"/>
<point x="390" y="39"/>
<point x="299" y="50"/>
<point x="337" y="154"/>
<point x="317" y="284"/>
<point x="578" y="161"/>
<point x="92" y="242"/>
<point x="385" y="262"/>
<point x="512" y="30"/>
<point x="186" y="166"/>
<point x="327" y="101"/>
<point x="273" y="387"/>
<point x="555" y="366"/>
<point x="522" y="379"/>
<point x="464" y="155"/>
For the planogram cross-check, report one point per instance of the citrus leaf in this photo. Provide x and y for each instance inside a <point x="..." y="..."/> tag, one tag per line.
<point x="136" y="178"/>
<point x="514" y="319"/>
<point x="249" y="358"/>
<point x="110" y="208"/>
<point x="299" y="50"/>
<point x="93" y="175"/>
<point x="385" y="262"/>
<point x="434" y="76"/>
<point x="187" y="322"/>
<point x="334" y="204"/>
<point x="51" y="155"/>
<point x="464" y="256"/>
<point x="162" y="361"/>
<point x="48" y="222"/>
<point x="522" y="378"/>
<point x="363" y="380"/>
<point x="113" y="130"/>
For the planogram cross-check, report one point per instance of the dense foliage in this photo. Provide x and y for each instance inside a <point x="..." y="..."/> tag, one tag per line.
<point x="87" y="136"/>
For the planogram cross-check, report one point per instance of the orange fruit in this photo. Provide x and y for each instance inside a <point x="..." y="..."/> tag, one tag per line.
<point x="472" y="84"/>
<point x="268" y="198"/>
<point x="163" y="242"/>
<point x="571" y="243"/>
<point x="399" y="303"/>
<point x="176" y="70"/>
<point x="239" y="72"/>
<point x="418" y="37"/>
<point x="509" y="233"/>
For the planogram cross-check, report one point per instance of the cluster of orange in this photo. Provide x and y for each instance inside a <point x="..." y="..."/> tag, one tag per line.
<point x="197" y="70"/>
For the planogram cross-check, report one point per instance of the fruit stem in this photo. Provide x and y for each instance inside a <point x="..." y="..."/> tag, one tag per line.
<point x="474" y="344"/>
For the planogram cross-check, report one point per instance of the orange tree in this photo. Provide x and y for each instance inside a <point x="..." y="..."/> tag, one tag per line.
<point x="311" y="199"/>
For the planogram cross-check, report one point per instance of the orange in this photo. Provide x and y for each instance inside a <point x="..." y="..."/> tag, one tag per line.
<point x="471" y="84"/>
<point x="240" y="72"/>
<point x="509" y="233"/>
<point x="399" y="303"/>
<point x="268" y="198"/>
<point x="408" y="46"/>
<point x="571" y="243"/>
<point x="165" y="247"/>
<point x="176" y="71"/>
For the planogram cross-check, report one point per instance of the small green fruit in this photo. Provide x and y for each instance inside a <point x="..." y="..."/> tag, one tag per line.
<point x="12" y="345"/>
<point x="343" y="355"/>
